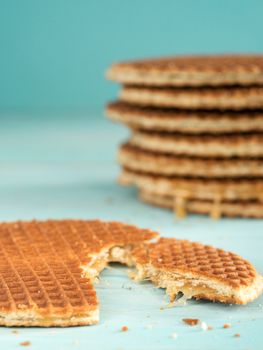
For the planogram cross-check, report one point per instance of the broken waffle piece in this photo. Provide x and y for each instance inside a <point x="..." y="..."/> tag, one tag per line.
<point x="47" y="268"/>
<point x="198" y="271"/>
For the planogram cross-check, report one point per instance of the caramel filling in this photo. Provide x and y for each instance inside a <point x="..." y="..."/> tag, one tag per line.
<point x="180" y="203"/>
<point x="216" y="210"/>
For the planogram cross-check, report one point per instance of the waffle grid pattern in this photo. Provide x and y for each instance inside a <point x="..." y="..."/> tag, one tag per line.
<point x="182" y="255"/>
<point x="40" y="263"/>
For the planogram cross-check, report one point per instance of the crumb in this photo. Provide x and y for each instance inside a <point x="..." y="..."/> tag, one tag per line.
<point x="191" y="321"/>
<point x="174" y="335"/>
<point x="96" y="280"/>
<point x="15" y="331"/>
<point x="204" y="326"/>
<point x="227" y="325"/>
<point x="209" y="328"/>
<point x="237" y="335"/>
<point x="25" y="343"/>
<point x="124" y="328"/>
<point x="126" y="287"/>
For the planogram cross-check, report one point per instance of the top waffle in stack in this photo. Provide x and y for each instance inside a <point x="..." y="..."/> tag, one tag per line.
<point x="197" y="132"/>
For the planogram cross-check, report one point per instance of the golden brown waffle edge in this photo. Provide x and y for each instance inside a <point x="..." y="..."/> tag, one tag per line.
<point x="198" y="70"/>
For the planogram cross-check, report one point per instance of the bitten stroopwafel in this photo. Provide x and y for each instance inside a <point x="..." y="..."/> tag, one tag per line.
<point x="185" y="121"/>
<point x="197" y="270"/>
<point x="141" y="160"/>
<point x="47" y="269"/>
<point x="208" y="70"/>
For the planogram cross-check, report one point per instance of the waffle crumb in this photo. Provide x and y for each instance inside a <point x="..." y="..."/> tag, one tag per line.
<point x="204" y="326"/>
<point x="237" y="335"/>
<point x="191" y="321"/>
<point x="25" y="343"/>
<point x="15" y="331"/>
<point x="124" y="328"/>
<point x="210" y="328"/>
<point x="227" y="325"/>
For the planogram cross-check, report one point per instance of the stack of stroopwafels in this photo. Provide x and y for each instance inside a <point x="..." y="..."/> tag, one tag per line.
<point x="197" y="132"/>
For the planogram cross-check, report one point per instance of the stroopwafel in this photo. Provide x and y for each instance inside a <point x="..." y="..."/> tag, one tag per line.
<point x="185" y="121"/>
<point x="198" y="271"/>
<point x="195" y="70"/>
<point x="138" y="159"/>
